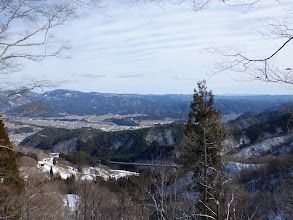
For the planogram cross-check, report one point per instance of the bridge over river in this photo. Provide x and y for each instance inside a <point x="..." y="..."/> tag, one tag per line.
<point x="147" y="164"/>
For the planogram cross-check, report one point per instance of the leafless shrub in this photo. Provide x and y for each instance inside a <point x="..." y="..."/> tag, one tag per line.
<point x="27" y="161"/>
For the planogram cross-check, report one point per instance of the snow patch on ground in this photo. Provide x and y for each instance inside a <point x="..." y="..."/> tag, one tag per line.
<point x="89" y="173"/>
<point x="170" y="138"/>
<point x="72" y="201"/>
<point x="235" y="167"/>
<point x="116" y="174"/>
<point x="46" y="165"/>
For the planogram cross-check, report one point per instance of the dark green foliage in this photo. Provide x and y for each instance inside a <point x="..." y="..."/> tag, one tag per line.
<point x="106" y="162"/>
<point x="8" y="167"/>
<point x="237" y="134"/>
<point x="70" y="185"/>
<point x="162" y="152"/>
<point x="132" y="184"/>
<point x="21" y="154"/>
<point x="44" y="139"/>
<point x="256" y="126"/>
<point x="51" y="173"/>
<point x="254" y="132"/>
<point x="11" y="185"/>
<point x="277" y="120"/>
<point x="4" y="139"/>
<point x="128" y="145"/>
<point x="203" y="129"/>
<point x="201" y="151"/>
<point x="250" y="118"/>
<point x="80" y="158"/>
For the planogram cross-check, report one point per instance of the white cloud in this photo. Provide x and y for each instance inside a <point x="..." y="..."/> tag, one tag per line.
<point x="89" y="75"/>
<point x="183" y="77"/>
<point x="154" y="44"/>
<point x="130" y="76"/>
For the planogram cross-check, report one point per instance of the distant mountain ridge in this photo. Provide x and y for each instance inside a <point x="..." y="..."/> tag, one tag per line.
<point x="57" y="102"/>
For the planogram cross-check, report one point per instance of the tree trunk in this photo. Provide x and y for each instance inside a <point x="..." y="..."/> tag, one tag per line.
<point x="205" y="199"/>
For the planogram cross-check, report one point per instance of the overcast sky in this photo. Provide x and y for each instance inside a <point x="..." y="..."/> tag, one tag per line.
<point x="149" y="49"/>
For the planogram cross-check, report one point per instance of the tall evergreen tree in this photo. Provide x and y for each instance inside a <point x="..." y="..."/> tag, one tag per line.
<point x="11" y="185"/>
<point x="201" y="152"/>
<point x="9" y="173"/>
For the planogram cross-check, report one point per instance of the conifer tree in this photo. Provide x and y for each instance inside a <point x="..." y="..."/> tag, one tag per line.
<point x="11" y="185"/>
<point x="9" y="173"/>
<point x="201" y="152"/>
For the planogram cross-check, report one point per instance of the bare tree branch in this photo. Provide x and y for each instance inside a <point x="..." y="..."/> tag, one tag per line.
<point x="26" y="28"/>
<point x="198" y="5"/>
<point x="7" y="147"/>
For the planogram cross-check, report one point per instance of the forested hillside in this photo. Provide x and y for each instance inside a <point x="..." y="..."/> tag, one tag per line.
<point x="157" y="142"/>
<point x="130" y="145"/>
<point x="59" y="102"/>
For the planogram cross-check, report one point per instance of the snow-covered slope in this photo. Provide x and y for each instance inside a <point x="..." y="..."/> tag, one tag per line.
<point x="276" y="145"/>
<point x="235" y="167"/>
<point x="89" y="173"/>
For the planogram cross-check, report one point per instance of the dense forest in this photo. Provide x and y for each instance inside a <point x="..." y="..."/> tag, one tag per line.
<point x="128" y="145"/>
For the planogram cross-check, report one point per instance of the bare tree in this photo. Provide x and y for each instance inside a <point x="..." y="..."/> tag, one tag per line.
<point x="242" y="66"/>
<point x="27" y="34"/>
<point x="26" y="29"/>
<point x="238" y="63"/>
<point x="97" y="201"/>
<point x="198" y="5"/>
<point x="30" y="22"/>
<point x="160" y="193"/>
<point x="42" y="200"/>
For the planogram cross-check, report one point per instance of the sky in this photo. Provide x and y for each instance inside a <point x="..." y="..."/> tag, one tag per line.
<point x="158" y="49"/>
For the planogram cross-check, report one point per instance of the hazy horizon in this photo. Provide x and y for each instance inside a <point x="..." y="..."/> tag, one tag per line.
<point x="148" y="49"/>
<point x="216" y="94"/>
